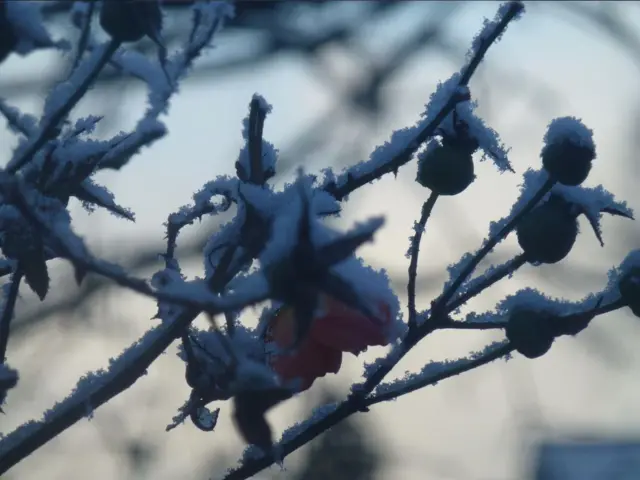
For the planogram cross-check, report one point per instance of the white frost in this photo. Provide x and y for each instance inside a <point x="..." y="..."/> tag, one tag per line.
<point x="570" y="130"/>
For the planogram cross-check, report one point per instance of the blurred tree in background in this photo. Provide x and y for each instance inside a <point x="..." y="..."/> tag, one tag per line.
<point x="316" y="33"/>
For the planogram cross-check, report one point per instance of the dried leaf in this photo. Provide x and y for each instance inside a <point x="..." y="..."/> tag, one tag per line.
<point x="34" y="267"/>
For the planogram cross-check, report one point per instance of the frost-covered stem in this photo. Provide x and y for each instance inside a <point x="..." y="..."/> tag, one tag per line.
<point x="507" y="269"/>
<point x="47" y="130"/>
<point x="7" y="312"/>
<point x="254" y="465"/>
<point x="457" y="325"/>
<point x="65" y="417"/>
<point x="347" y="408"/>
<point x="433" y="322"/>
<point x="456" y="369"/>
<point x="82" y="261"/>
<point x="257" y="115"/>
<point x="174" y="227"/>
<point x="440" y="303"/>
<point x="427" y="207"/>
<point x="83" y="41"/>
<point x="515" y="8"/>
<point x="350" y="406"/>
<point x="340" y="192"/>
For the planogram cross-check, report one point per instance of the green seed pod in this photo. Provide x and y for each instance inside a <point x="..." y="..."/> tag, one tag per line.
<point x="130" y="20"/>
<point x="548" y="232"/>
<point x="446" y="169"/>
<point x="568" y="151"/>
<point x="529" y="333"/>
<point x="629" y="287"/>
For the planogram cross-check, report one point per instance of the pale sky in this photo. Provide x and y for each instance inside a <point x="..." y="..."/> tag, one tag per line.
<point x="468" y="422"/>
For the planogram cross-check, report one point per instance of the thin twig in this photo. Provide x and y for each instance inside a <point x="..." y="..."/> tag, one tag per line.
<point x="441" y="302"/>
<point x="450" y="324"/>
<point x="504" y="270"/>
<point x="458" y="367"/>
<point x="178" y="220"/>
<point x="515" y="8"/>
<point x="49" y="129"/>
<point x="427" y="208"/>
<point x="347" y="408"/>
<point x="402" y="158"/>
<point x="211" y="303"/>
<point x="257" y="115"/>
<point x="83" y="41"/>
<point x="12" y="450"/>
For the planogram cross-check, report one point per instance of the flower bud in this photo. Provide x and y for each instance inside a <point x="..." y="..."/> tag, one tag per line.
<point x="130" y="20"/>
<point x="445" y="169"/>
<point x="529" y="332"/>
<point x="568" y="151"/>
<point x="547" y="233"/>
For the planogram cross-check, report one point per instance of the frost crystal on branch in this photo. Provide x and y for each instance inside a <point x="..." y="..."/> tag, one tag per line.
<point x="570" y="130"/>
<point x="491" y="27"/>
<point x="488" y="139"/>
<point x="568" y="151"/>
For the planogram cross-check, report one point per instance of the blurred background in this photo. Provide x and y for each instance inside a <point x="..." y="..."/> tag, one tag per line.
<point x="341" y="77"/>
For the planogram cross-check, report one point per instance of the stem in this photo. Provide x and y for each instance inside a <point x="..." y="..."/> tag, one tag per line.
<point x="504" y="270"/>
<point x="457" y="325"/>
<point x="514" y="9"/>
<point x="64" y="416"/>
<point x="257" y="116"/>
<point x="84" y="35"/>
<point x="440" y="303"/>
<point x="347" y="408"/>
<point x="49" y="128"/>
<point x="459" y="367"/>
<point x="402" y="158"/>
<point x="427" y="207"/>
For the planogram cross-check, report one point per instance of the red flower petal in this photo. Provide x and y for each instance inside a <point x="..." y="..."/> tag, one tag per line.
<point x="346" y="329"/>
<point x="339" y="328"/>
<point x="306" y="363"/>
